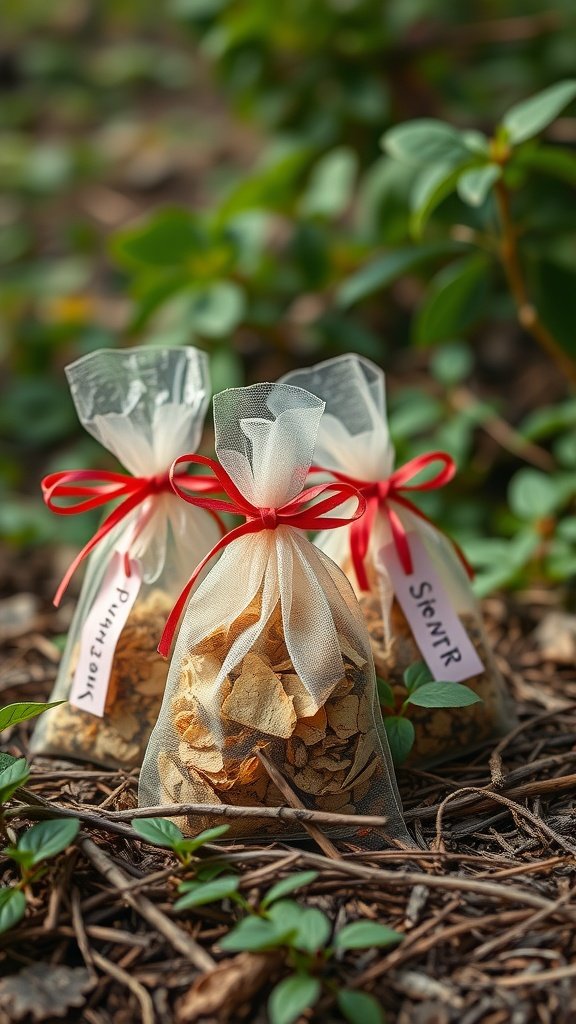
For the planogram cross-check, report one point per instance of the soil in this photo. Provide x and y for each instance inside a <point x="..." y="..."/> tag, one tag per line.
<point x="486" y="900"/>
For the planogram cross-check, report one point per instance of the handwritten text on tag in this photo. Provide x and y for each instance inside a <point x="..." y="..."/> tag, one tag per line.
<point x="100" y="635"/>
<point x="438" y="631"/>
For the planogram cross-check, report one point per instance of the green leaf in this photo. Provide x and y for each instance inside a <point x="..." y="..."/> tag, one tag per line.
<point x="167" y="239"/>
<point x="314" y="930"/>
<point x="254" y="934"/>
<point x="291" y="997"/>
<point x="287" y="885"/>
<point x="454" y="301"/>
<point x="160" y="831"/>
<point x="417" y="675"/>
<point x="366" y="935"/>
<point x="424" y="141"/>
<point x="270" y="187"/>
<point x="451" y="364"/>
<point x="311" y="928"/>
<point x="12" y="907"/>
<point x="549" y="160"/>
<point x="549" y="420"/>
<point x="388" y="268"/>
<point x="528" y="118"/>
<point x="475" y="184"/>
<point x="329" y="191"/>
<point x="12" y="714"/>
<point x="533" y="495"/>
<point x="444" y="695"/>
<point x="15" y="775"/>
<point x="506" y="561"/>
<point x="48" y="838"/>
<point x="419" y="413"/>
<point x="216" y="309"/>
<point x="385" y="693"/>
<point x="209" y="892"/>
<point x="208" y="836"/>
<point x="7" y="760"/>
<point x="401" y="735"/>
<point x="359" y="1007"/>
<point x="431" y="187"/>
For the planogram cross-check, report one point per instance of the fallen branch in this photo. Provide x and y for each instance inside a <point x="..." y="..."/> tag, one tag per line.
<point x="178" y="939"/>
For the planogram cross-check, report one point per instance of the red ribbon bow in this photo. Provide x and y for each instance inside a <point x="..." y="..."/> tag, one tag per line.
<point x="296" y="512"/>
<point x="98" y="487"/>
<point x="379" y="497"/>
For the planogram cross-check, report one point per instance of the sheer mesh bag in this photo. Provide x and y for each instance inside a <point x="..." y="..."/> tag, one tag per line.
<point x="146" y="406"/>
<point x="272" y="654"/>
<point x="354" y="441"/>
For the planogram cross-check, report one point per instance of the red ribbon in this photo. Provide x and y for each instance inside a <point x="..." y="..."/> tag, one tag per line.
<point x="379" y="497"/>
<point x="97" y="487"/>
<point x="297" y="512"/>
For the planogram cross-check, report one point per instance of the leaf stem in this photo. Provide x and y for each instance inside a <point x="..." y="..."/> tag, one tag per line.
<point x="528" y="316"/>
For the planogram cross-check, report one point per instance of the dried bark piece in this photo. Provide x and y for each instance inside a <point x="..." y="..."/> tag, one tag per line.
<point x="296" y="751"/>
<point x="208" y="761"/>
<point x="258" y="700"/>
<point x="343" y="716"/>
<point x="330" y="764"/>
<point x="348" y="651"/>
<point x="223" y="991"/>
<point x="304" y="703"/>
<point x="365" y="715"/>
<point x="312" y="730"/>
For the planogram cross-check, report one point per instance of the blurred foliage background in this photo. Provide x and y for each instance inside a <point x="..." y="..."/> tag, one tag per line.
<point x="213" y="172"/>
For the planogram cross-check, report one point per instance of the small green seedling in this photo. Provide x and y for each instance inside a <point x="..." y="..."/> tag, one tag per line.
<point x="422" y="691"/>
<point x="38" y="844"/>
<point x="163" y="832"/>
<point x="305" y="935"/>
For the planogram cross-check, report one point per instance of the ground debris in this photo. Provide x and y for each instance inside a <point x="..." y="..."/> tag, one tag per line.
<point x="487" y="902"/>
<point x="44" y="990"/>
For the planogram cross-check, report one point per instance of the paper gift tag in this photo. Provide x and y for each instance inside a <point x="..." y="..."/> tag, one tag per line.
<point x="100" y="635"/>
<point x="438" y="631"/>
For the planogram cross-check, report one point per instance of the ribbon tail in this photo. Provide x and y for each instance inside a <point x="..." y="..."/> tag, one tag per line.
<point x="360" y="533"/>
<point x="406" y="503"/>
<point x="173" y="619"/>
<point x="112" y="520"/>
<point x="400" y="539"/>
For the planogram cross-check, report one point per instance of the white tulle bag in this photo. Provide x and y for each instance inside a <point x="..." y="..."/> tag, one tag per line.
<point x="272" y="655"/>
<point x="411" y="580"/>
<point x="146" y="406"/>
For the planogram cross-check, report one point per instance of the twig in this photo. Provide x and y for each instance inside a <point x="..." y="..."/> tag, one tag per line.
<point x="280" y="782"/>
<point x="504" y="435"/>
<point x="116" y="972"/>
<point x="523" y="928"/>
<point x="177" y="938"/>
<point x="402" y="879"/>
<point x="517" y="809"/>
<point x="538" y="978"/>
<point x="80" y="931"/>
<point x="301" y="814"/>
<point x="528" y="316"/>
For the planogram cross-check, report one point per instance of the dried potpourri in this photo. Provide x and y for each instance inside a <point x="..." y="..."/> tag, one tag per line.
<point x="411" y="581"/>
<point x="146" y="406"/>
<point x="272" y="654"/>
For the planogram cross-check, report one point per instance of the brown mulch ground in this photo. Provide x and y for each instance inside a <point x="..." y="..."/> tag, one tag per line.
<point x="488" y="906"/>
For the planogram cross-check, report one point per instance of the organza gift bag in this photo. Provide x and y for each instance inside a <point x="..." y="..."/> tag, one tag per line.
<point x="146" y="406"/>
<point x="272" y="655"/>
<point x="411" y="581"/>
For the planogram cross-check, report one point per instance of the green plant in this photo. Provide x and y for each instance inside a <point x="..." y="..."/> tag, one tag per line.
<point x="36" y="845"/>
<point x="163" y="832"/>
<point x="304" y="935"/>
<point x="422" y="691"/>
